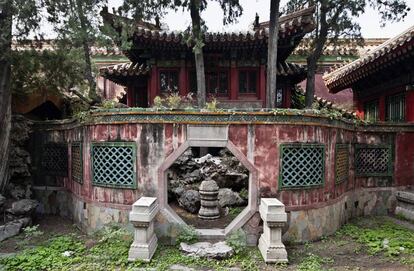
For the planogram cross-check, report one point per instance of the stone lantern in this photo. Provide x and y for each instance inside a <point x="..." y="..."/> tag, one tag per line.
<point x="209" y="200"/>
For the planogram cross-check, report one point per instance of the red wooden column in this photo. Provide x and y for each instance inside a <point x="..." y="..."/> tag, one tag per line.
<point x="183" y="86"/>
<point x="409" y="106"/>
<point x="130" y="96"/>
<point x="287" y="98"/>
<point x="153" y="86"/>
<point x="381" y="106"/>
<point x="234" y="81"/>
<point x="262" y="84"/>
<point x="359" y="106"/>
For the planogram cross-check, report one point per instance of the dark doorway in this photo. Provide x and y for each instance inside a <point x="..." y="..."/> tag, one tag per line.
<point x="140" y="92"/>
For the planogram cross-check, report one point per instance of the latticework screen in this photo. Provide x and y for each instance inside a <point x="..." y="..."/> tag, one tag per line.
<point x="55" y="159"/>
<point x="113" y="164"/>
<point x="341" y="162"/>
<point x="77" y="165"/>
<point x="373" y="160"/>
<point x="302" y="165"/>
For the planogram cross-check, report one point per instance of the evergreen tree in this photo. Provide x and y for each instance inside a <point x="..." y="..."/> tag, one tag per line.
<point x="335" y="19"/>
<point x="77" y="24"/>
<point x="25" y="16"/>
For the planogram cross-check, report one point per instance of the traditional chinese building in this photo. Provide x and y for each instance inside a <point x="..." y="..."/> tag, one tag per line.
<point x="235" y="63"/>
<point x="382" y="80"/>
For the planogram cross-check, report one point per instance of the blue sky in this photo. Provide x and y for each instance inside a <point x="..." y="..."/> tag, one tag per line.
<point x="213" y="15"/>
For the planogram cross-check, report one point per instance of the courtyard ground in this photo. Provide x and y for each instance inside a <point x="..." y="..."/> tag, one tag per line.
<point x="373" y="243"/>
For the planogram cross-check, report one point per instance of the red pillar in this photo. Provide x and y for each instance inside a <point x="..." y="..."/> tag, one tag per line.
<point x="153" y="86"/>
<point x="262" y="84"/>
<point x="130" y="96"/>
<point x="183" y="86"/>
<point x="409" y="106"/>
<point x="234" y="81"/>
<point x="381" y="108"/>
<point x="358" y="106"/>
<point x="287" y="98"/>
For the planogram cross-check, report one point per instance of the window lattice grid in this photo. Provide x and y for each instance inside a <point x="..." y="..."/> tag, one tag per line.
<point x="113" y="164"/>
<point x="395" y="110"/>
<point x="341" y="162"/>
<point x="77" y="165"/>
<point x="302" y="165"/>
<point x="372" y="160"/>
<point x="55" y="159"/>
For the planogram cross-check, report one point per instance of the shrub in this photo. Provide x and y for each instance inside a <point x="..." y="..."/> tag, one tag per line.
<point x="212" y="106"/>
<point x="237" y="240"/>
<point x="187" y="234"/>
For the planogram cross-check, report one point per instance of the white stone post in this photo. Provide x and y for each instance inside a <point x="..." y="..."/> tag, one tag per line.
<point x="272" y="211"/>
<point x="142" y="217"/>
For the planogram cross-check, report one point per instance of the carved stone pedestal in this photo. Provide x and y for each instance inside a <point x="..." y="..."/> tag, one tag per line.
<point x="272" y="211"/>
<point x="142" y="217"/>
<point x="209" y="200"/>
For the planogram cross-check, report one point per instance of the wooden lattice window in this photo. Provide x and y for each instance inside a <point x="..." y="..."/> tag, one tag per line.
<point x="395" y="110"/>
<point x="168" y="80"/>
<point x="302" y="165"/>
<point x="113" y="164"/>
<point x="55" y="159"/>
<point x="77" y="165"/>
<point x="341" y="162"/>
<point x="248" y="81"/>
<point x="373" y="160"/>
<point x="371" y="111"/>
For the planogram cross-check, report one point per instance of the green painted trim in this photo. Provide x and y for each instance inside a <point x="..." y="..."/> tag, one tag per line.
<point x="134" y="157"/>
<point x="77" y="144"/>
<point x="337" y="147"/>
<point x="300" y="145"/>
<point x="390" y="170"/>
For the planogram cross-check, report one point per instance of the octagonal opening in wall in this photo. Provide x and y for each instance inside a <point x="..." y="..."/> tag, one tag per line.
<point x="209" y="184"/>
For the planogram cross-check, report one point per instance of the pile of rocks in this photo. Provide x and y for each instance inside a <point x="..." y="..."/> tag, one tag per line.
<point x="187" y="173"/>
<point x="16" y="207"/>
<point x="18" y="214"/>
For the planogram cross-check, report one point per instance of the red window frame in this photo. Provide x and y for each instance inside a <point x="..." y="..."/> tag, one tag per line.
<point x="257" y="85"/>
<point x="169" y="71"/>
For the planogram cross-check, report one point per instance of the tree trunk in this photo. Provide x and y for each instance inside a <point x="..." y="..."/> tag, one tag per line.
<point x="198" y="52"/>
<point x="312" y="60"/>
<point x="272" y="54"/>
<point x="86" y="51"/>
<point x="5" y="91"/>
<point x="310" y="81"/>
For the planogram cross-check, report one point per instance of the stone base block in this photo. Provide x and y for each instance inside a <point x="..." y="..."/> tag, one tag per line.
<point x="142" y="251"/>
<point x="275" y="253"/>
<point x="405" y="212"/>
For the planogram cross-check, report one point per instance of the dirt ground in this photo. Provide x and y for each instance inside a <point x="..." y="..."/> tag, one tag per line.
<point x="341" y="252"/>
<point x="192" y="219"/>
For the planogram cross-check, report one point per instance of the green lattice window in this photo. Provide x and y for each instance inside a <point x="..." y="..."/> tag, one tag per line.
<point x="373" y="160"/>
<point x="55" y="159"/>
<point x="77" y="165"/>
<point x="302" y="165"/>
<point x="113" y="164"/>
<point x="341" y="162"/>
